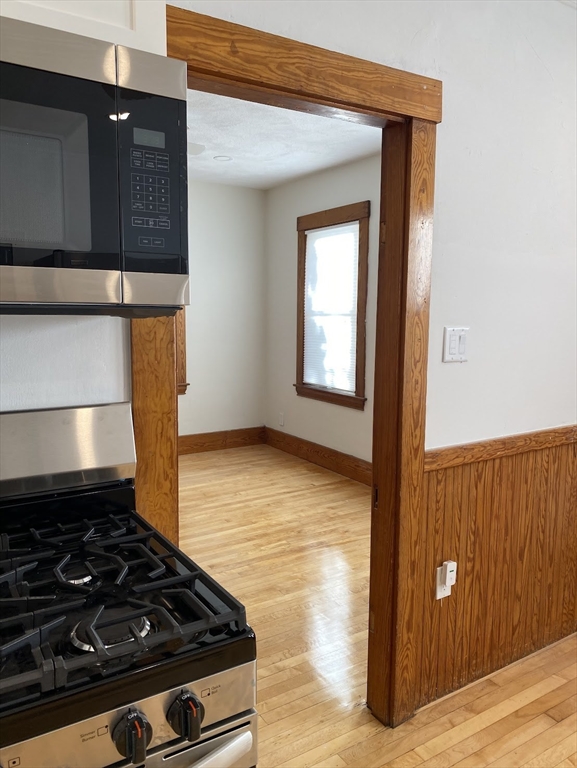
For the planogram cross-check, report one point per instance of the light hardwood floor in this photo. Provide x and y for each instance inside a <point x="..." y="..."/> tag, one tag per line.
<point x="291" y="541"/>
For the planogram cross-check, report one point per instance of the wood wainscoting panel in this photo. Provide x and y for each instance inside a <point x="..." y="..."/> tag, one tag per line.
<point x="511" y="525"/>
<point x="154" y="411"/>
<point x="218" y="441"/>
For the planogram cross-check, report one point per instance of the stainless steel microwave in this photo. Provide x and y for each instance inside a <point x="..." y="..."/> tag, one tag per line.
<point x="93" y="174"/>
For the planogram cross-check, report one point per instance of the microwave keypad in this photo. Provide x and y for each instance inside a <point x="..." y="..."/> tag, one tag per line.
<point x="152" y="223"/>
<point x="151" y="242"/>
<point x="151" y="161"/>
<point x="150" y="194"/>
<point x="138" y="221"/>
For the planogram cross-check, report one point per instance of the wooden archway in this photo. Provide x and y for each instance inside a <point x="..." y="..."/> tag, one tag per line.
<point x="241" y="62"/>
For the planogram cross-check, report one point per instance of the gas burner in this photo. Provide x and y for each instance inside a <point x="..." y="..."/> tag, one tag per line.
<point x="111" y="636"/>
<point x="77" y="576"/>
<point x="79" y="581"/>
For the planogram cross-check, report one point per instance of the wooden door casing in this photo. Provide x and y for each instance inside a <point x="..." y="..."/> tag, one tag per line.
<point x="155" y="415"/>
<point x="244" y="63"/>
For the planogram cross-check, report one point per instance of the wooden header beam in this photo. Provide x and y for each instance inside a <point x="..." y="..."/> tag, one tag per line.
<point x="217" y="50"/>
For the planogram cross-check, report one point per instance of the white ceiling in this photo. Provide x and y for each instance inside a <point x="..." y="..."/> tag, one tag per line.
<point x="268" y="145"/>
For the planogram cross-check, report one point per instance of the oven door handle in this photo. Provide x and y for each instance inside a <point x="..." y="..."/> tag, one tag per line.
<point x="227" y="755"/>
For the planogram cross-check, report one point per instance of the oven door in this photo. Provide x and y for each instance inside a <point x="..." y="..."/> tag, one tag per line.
<point x="59" y="209"/>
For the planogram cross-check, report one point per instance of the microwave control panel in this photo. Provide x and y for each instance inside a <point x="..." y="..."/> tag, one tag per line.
<point x="154" y="206"/>
<point x="153" y="186"/>
<point x="150" y="195"/>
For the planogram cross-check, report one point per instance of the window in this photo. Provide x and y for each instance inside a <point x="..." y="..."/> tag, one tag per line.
<point x="332" y="300"/>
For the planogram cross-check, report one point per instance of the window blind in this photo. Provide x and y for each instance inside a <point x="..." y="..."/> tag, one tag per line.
<point x="330" y="326"/>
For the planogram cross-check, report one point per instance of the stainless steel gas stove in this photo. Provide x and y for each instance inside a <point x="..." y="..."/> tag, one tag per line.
<point x="115" y="648"/>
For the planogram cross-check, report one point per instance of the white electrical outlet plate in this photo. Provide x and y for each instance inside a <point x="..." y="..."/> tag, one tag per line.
<point x="455" y="345"/>
<point x="281" y="419"/>
<point x="442" y="589"/>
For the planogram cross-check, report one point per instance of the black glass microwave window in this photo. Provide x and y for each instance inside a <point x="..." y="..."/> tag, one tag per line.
<point x="58" y="171"/>
<point x="45" y="189"/>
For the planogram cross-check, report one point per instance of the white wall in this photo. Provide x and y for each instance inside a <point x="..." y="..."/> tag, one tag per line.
<point x="341" y="428"/>
<point x="225" y="321"/>
<point x="68" y="361"/>
<point x="504" y="247"/>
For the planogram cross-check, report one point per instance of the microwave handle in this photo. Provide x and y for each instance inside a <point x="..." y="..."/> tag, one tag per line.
<point x="227" y="755"/>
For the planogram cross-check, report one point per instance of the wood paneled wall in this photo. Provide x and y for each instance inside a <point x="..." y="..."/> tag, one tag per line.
<point x="511" y="524"/>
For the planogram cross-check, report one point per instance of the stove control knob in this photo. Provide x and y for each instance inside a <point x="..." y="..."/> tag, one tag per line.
<point x="185" y="715"/>
<point x="132" y="735"/>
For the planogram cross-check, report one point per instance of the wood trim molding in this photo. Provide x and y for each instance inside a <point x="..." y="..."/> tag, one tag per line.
<point x="362" y="294"/>
<point x="436" y="459"/>
<point x="386" y="424"/>
<point x="411" y="529"/>
<point x="239" y="55"/>
<point x="154" y="411"/>
<point x="218" y="441"/>
<point x="331" y="396"/>
<point x="341" y="463"/>
<point x="300" y="362"/>
<point x="398" y="528"/>
<point x="496" y="448"/>
<point x="277" y="98"/>
<point x="180" y="320"/>
<point x="333" y="216"/>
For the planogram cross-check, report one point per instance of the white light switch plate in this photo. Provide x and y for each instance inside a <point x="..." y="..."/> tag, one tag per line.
<point x="455" y="345"/>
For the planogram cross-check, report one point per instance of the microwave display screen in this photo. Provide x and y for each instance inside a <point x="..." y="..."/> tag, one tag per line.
<point x="149" y="138"/>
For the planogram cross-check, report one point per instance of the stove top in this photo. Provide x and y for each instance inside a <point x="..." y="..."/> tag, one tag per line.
<point x="89" y="591"/>
<point x="113" y="643"/>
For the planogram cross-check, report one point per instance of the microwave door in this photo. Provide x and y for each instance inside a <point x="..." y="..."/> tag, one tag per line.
<point x="59" y="228"/>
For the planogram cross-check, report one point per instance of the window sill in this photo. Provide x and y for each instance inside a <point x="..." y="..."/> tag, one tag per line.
<point x="331" y="396"/>
<point x="181" y="388"/>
